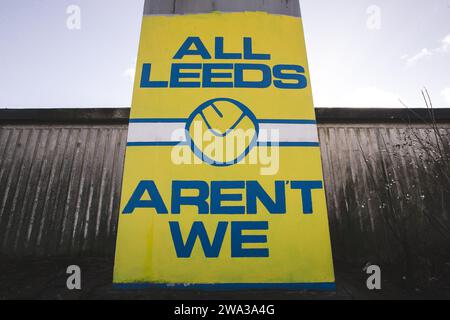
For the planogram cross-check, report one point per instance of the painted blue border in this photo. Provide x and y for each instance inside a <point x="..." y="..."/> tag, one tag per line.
<point x="313" y="286"/>
<point x="185" y="143"/>
<point x="288" y="144"/>
<point x="254" y="143"/>
<point x="288" y="121"/>
<point x="182" y="120"/>
<point x="156" y="144"/>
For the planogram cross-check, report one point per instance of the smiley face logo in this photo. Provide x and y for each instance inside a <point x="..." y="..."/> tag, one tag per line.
<point x="222" y="131"/>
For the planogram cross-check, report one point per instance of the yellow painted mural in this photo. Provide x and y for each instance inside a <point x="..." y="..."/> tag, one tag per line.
<point x="223" y="180"/>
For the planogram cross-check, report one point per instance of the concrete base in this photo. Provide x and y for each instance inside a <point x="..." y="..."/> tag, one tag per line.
<point x="46" y="279"/>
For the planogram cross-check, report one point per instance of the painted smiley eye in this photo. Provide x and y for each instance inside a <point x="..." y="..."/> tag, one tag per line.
<point x="222" y="131"/>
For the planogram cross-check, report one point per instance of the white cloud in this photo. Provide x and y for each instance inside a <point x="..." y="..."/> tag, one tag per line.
<point x="404" y="57"/>
<point x="410" y="61"/>
<point x="425" y="52"/>
<point x="445" y="44"/>
<point x="129" y="73"/>
<point x="371" y="97"/>
<point x="446" y="94"/>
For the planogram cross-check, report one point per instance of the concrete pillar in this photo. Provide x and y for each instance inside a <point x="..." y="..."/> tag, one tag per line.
<point x="284" y="7"/>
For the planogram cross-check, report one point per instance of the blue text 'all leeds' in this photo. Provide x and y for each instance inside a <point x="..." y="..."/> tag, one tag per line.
<point x="252" y="72"/>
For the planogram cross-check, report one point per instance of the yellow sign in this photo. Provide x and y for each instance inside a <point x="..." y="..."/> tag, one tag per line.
<point x="223" y="180"/>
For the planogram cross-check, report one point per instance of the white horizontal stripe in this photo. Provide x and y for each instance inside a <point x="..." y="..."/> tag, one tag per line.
<point x="287" y="132"/>
<point x="268" y="132"/>
<point x="156" y="132"/>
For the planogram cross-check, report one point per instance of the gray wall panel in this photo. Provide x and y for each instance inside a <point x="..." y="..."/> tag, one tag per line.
<point x="60" y="188"/>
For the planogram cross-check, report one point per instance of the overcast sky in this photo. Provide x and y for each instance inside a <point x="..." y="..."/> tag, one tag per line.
<point x="362" y="53"/>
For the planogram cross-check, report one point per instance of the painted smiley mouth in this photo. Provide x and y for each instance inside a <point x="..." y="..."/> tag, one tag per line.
<point x="216" y="132"/>
<point x="223" y="118"/>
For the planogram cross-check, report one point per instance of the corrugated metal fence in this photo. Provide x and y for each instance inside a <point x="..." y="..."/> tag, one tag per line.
<point x="60" y="183"/>
<point x="60" y="188"/>
<point x="387" y="189"/>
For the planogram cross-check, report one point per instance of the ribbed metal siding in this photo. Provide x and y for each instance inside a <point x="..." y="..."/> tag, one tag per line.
<point x="60" y="189"/>
<point x="60" y="186"/>
<point x="386" y="194"/>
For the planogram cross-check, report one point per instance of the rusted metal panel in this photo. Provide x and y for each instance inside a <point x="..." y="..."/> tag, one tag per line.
<point x="60" y="187"/>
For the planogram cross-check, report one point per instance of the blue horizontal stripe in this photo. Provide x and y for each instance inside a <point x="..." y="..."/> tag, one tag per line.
<point x="289" y="144"/>
<point x="287" y="121"/>
<point x="181" y="120"/>
<point x="260" y="144"/>
<point x="156" y="144"/>
<point x="315" y="286"/>
<point x="157" y="120"/>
